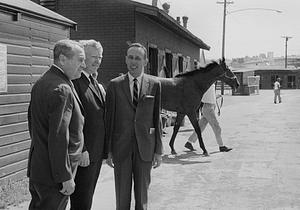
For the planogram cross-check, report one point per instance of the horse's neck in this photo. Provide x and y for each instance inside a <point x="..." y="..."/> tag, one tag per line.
<point x="205" y="81"/>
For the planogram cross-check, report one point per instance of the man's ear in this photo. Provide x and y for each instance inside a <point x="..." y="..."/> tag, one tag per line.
<point x="62" y="59"/>
<point x="146" y="62"/>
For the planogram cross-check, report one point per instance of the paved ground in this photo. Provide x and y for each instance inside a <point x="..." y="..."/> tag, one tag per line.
<point x="262" y="172"/>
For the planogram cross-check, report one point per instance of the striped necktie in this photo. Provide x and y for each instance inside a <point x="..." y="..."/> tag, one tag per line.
<point x="135" y="93"/>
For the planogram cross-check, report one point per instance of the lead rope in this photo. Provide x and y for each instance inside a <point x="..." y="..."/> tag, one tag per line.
<point x="219" y="106"/>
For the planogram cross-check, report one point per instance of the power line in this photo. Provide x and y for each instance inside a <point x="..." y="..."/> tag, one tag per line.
<point x="223" y="35"/>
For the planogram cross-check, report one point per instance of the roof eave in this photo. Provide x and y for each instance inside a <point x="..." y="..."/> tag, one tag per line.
<point x="169" y="22"/>
<point x="16" y="11"/>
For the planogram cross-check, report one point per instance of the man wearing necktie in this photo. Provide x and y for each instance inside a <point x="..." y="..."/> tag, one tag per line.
<point x="55" y="119"/>
<point x="133" y="132"/>
<point x="92" y="98"/>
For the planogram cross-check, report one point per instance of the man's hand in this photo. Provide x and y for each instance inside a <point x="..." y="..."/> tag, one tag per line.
<point x="85" y="159"/>
<point x="218" y="96"/>
<point x="109" y="160"/>
<point x="157" y="159"/>
<point x="68" y="187"/>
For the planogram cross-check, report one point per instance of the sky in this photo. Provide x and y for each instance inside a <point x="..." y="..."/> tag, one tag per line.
<point x="248" y="32"/>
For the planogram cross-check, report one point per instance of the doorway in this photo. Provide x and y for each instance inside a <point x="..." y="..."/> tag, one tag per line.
<point x="153" y="61"/>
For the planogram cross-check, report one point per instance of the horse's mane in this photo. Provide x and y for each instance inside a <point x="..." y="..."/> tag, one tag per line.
<point x="205" y="69"/>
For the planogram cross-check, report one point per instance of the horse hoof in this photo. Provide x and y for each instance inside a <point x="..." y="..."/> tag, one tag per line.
<point x="205" y="154"/>
<point x="173" y="152"/>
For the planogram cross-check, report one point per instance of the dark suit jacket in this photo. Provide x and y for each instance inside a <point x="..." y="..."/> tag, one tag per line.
<point x="56" y="129"/>
<point x="123" y="123"/>
<point x="94" y="107"/>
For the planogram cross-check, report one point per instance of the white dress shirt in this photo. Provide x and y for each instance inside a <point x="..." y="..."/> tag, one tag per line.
<point x="131" y="83"/>
<point x="276" y="85"/>
<point x="209" y="96"/>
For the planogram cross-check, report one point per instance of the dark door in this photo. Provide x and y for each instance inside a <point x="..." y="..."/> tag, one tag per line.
<point x="153" y="61"/>
<point x="273" y="79"/>
<point x="180" y="64"/>
<point x="291" y="83"/>
<point x="169" y="70"/>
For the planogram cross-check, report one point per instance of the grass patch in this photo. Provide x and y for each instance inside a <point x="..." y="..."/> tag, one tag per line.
<point x="13" y="193"/>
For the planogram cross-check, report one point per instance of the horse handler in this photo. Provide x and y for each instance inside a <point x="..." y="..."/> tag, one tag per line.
<point x="208" y="116"/>
<point x="277" y="91"/>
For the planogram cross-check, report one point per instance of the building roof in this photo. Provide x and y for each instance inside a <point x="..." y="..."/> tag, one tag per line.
<point x="30" y="8"/>
<point x="163" y="18"/>
<point x="264" y="68"/>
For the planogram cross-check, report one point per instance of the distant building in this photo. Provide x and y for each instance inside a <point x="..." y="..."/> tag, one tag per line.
<point x="262" y="56"/>
<point x="290" y="78"/>
<point x="270" y="55"/>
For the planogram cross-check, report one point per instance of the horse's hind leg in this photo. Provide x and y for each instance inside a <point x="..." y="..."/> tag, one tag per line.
<point x="193" y="119"/>
<point x="179" y="119"/>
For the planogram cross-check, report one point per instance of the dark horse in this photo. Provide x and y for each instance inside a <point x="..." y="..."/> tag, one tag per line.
<point x="183" y="94"/>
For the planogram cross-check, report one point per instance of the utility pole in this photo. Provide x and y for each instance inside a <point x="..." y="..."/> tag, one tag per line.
<point x="286" y="40"/>
<point x="225" y="2"/>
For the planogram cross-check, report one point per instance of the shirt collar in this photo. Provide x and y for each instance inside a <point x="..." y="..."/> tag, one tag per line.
<point x="86" y="74"/>
<point x="139" y="78"/>
<point x="56" y="66"/>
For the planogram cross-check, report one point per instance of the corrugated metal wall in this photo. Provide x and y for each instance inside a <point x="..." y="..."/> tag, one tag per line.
<point x="29" y="54"/>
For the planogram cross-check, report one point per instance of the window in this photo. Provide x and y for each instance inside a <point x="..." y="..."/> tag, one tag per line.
<point x="291" y="83"/>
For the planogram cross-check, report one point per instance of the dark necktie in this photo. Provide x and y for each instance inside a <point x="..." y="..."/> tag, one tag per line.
<point x="135" y="93"/>
<point x="95" y="84"/>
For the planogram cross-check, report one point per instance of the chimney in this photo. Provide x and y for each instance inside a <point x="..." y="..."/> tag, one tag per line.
<point x="166" y="7"/>
<point x="154" y="3"/>
<point x="178" y="19"/>
<point x="184" y="21"/>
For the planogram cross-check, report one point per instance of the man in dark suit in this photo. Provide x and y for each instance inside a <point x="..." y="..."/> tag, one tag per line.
<point x="55" y="118"/>
<point x="92" y="98"/>
<point x="133" y="129"/>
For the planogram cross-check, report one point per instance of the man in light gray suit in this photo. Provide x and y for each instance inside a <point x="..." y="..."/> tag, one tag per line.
<point x="133" y="129"/>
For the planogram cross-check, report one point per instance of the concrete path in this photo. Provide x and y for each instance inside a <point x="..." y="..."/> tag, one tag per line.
<point x="262" y="172"/>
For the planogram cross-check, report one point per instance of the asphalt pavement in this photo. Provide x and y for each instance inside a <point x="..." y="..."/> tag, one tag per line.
<point x="262" y="172"/>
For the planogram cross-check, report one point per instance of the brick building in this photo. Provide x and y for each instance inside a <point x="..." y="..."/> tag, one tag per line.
<point x="115" y="22"/>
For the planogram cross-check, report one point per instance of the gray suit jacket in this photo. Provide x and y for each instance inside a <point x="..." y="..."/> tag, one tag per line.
<point x="124" y="124"/>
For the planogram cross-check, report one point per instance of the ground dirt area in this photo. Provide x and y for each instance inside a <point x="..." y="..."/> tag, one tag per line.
<point x="262" y="171"/>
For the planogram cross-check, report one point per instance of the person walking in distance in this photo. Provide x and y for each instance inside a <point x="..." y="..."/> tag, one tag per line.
<point x="93" y="101"/>
<point x="277" y="91"/>
<point x="55" y="119"/>
<point x="208" y="116"/>
<point x="133" y="129"/>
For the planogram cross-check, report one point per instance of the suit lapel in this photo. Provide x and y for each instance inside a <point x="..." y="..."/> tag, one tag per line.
<point x="144" y="86"/>
<point x="77" y="98"/>
<point x="91" y="86"/>
<point x="99" y="93"/>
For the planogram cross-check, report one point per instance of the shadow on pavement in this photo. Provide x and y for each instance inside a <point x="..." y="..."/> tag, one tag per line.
<point x="183" y="159"/>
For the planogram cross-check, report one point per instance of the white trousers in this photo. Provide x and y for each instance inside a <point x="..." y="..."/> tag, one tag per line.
<point x="277" y="95"/>
<point x="208" y="116"/>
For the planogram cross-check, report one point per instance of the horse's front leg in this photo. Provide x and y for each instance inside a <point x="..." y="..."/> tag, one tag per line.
<point x="194" y="121"/>
<point x="179" y="119"/>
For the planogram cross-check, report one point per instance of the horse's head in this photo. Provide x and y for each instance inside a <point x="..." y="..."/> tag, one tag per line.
<point x="228" y="77"/>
